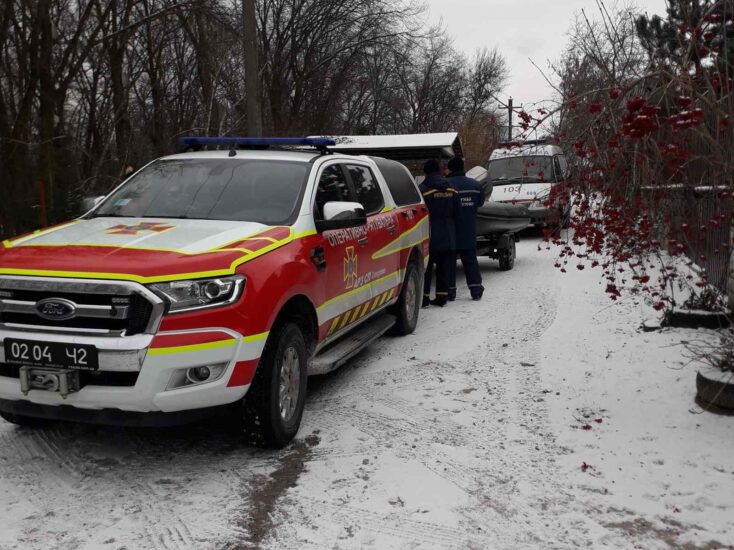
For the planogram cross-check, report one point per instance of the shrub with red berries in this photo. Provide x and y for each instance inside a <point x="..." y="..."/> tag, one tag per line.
<point x="653" y="158"/>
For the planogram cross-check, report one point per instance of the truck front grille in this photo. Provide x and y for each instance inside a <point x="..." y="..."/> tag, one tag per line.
<point x="101" y="308"/>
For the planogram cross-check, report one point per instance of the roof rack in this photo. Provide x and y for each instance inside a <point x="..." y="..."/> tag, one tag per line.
<point x="234" y="143"/>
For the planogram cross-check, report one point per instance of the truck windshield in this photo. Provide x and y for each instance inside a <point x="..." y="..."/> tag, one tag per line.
<point x="533" y="169"/>
<point x="263" y="191"/>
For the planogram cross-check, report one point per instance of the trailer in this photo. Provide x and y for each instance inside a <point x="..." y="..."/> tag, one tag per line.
<point x="498" y="226"/>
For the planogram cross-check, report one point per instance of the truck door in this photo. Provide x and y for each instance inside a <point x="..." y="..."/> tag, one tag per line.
<point x="343" y="254"/>
<point x="381" y="271"/>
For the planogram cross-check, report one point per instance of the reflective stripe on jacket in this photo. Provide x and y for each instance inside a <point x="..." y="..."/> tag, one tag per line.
<point x="443" y="209"/>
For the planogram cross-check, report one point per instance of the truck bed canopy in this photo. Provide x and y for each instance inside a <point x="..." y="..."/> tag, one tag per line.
<point x="410" y="149"/>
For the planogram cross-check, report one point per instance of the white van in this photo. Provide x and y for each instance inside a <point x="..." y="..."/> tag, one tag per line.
<point x="525" y="174"/>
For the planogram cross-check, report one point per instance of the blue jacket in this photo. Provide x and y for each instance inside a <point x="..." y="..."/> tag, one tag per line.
<point x="443" y="209"/>
<point x="471" y="197"/>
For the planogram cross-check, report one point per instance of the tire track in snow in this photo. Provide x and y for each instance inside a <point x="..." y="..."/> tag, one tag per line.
<point x="169" y="490"/>
<point x="400" y="526"/>
<point x="532" y="492"/>
<point x="120" y="479"/>
<point x="511" y="439"/>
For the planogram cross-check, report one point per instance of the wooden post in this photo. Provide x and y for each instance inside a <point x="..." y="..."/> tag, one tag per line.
<point x="42" y="214"/>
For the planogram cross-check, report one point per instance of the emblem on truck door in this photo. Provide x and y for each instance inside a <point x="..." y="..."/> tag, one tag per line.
<point x="350" y="268"/>
<point x="56" y="309"/>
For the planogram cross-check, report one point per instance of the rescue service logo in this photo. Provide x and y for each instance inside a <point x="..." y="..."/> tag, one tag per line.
<point x="350" y="268"/>
<point x="154" y="227"/>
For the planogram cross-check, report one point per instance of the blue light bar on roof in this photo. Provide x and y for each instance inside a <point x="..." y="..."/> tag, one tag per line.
<point x="259" y="143"/>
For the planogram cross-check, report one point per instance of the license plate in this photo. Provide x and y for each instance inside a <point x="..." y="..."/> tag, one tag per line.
<point x="50" y="354"/>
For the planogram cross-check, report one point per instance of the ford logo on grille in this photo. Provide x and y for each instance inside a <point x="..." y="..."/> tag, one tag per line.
<point x="56" y="309"/>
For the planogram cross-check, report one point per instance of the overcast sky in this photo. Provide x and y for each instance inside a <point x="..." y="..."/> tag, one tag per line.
<point x="520" y="29"/>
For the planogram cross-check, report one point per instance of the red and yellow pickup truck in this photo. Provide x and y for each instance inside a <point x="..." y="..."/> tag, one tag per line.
<point x="211" y="283"/>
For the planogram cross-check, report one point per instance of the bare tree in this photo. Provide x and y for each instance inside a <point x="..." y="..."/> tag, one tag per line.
<point x="88" y="88"/>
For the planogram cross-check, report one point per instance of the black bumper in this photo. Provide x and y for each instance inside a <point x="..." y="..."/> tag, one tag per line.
<point x="110" y="417"/>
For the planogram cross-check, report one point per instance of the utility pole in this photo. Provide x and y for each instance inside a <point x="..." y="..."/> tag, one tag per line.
<point x="252" y="70"/>
<point x="509" y="119"/>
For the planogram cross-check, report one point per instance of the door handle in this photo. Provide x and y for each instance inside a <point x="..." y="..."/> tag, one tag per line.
<point x="363" y="241"/>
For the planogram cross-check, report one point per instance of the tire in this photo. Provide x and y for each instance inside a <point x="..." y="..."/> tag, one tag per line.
<point x="270" y="414"/>
<point x="712" y="392"/>
<point x="25" y="421"/>
<point x="408" y="306"/>
<point x="507" y="257"/>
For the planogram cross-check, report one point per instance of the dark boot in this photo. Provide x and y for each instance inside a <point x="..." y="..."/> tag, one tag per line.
<point x="426" y="301"/>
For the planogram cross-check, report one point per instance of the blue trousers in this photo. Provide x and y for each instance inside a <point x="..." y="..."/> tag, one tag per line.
<point x="471" y="271"/>
<point x="441" y="261"/>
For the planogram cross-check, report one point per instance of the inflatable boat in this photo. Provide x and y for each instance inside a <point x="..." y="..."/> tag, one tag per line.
<point x="496" y="217"/>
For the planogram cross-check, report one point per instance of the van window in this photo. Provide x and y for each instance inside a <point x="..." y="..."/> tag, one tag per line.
<point x="401" y="184"/>
<point x="367" y="189"/>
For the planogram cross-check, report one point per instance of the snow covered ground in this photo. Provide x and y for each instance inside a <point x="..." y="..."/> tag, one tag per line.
<point x="538" y="418"/>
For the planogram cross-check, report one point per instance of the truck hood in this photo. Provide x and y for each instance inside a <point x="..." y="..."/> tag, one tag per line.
<point x="520" y="193"/>
<point x="143" y="250"/>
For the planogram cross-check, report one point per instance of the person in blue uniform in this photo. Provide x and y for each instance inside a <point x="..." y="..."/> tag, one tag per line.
<point x="471" y="197"/>
<point x="443" y="208"/>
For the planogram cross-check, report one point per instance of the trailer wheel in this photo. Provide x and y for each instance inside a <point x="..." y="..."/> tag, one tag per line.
<point x="271" y="412"/>
<point x="507" y="256"/>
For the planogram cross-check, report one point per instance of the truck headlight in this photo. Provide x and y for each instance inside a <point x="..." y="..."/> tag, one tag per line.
<point x="183" y="296"/>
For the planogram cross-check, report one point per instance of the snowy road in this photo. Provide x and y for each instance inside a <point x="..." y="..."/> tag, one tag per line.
<point x="463" y="435"/>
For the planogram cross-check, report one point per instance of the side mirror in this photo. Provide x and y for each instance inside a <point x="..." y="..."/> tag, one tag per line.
<point x="341" y="215"/>
<point x="90" y="202"/>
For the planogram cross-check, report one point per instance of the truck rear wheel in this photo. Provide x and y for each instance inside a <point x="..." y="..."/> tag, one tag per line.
<point x="273" y="408"/>
<point x="409" y="303"/>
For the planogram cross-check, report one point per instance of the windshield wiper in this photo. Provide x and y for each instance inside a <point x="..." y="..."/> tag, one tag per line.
<point x="506" y="180"/>
<point x="523" y="179"/>
<point x="96" y="215"/>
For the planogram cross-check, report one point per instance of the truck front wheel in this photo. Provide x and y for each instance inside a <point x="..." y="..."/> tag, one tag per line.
<point x="273" y="408"/>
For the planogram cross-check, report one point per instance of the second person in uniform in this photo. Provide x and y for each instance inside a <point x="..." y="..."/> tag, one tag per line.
<point x="471" y="197"/>
<point x="443" y="208"/>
